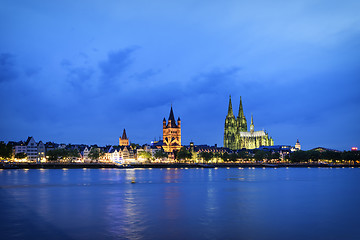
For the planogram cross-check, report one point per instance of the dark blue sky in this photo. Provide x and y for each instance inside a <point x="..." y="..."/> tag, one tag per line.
<point x="81" y="71"/>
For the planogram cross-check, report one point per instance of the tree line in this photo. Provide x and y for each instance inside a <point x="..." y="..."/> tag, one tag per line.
<point x="68" y="154"/>
<point x="71" y="154"/>
<point x="315" y="156"/>
<point x="263" y="155"/>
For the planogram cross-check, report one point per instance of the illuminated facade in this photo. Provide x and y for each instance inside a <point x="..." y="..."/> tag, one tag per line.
<point x="171" y="133"/>
<point x="297" y="145"/>
<point x="236" y="135"/>
<point x="124" y="141"/>
<point x="31" y="150"/>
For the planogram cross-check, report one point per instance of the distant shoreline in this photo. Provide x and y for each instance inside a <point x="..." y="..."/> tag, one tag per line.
<point x="170" y="165"/>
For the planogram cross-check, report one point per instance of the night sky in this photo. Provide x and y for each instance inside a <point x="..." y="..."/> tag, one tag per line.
<point x="82" y="71"/>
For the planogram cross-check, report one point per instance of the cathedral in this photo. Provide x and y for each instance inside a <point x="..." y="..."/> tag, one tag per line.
<point x="171" y="133"/>
<point x="236" y="134"/>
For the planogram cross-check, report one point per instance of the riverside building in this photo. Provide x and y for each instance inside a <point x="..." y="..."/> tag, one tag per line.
<point x="236" y="134"/>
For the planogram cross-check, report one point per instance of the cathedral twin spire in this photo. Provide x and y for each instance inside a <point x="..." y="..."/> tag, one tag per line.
<point x="236" y="134"/>
<point x="241" y="120"/>
<point x="230" y="109"/>
<point x="241" y="111"/>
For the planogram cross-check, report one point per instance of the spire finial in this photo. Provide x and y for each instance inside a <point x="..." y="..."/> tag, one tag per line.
<point x="241" y="111"/>
<point x="230" y="110"/>
<point x="172" y="118"/>
<point x="124" y="136"/>
<point x="252" y="124"/>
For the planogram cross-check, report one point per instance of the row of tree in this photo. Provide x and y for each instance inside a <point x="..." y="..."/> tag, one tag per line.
<point x="315" y="156"/>
<point x="71" y="154"/>
<point x="184" y="154"/>
<point x="5" y="150"/>
<point x="261" y="155"/>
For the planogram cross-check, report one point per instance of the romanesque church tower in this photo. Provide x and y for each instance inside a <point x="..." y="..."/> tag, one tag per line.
<point x="171" y="133"/>
<point x="123" y="141"/>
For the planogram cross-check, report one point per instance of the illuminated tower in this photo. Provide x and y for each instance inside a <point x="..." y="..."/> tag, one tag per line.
<point x="236" y="135"/>
<point x="171" y="133"/>
<point x="230" y="128"/>
<point x="124" y="141"/>
<point x="297" y="145"/>
<point x="252" y="124"/>
<point x="241" y="120"/>
<point x="241" y="126"/>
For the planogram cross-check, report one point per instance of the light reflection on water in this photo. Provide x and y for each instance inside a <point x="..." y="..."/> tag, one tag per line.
<point x="180" y="203"/>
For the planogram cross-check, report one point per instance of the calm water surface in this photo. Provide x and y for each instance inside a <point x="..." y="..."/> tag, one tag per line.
<point x="315" y="203"/>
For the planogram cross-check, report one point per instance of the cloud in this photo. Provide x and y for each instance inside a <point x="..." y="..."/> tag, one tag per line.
<point x="7" y="67"/>
<point x="79" y="75"/>
<point x="116" y="63"/>
<point x="66" y="63"/>
<point x="214" y="81"/>
<point x="30" y="72"/>
<point x="146" y="74"/>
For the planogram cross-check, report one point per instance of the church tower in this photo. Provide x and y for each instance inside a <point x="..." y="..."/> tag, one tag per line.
<point x="171" y="133"/>
<point x="252" y="124"/>
<point x="297" y="145"/>
<point x="241" y="120"/>
<point x="241" y="125"/>
<point x="236" y="134"/>
<point x="123" y="141"/>
<point x="230" y="129"/>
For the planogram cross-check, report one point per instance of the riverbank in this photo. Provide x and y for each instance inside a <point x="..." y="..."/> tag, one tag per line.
<point x="168" y="165"/>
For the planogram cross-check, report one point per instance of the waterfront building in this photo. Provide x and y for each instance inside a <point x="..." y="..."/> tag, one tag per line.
<point x="31" y="149"/>
<point x="236" y="134"/>
<point x="196" y="150"/>
<point x="119" y="154"/>
<point x="206" y="148"/>
<point x="36" y="152"/>
<point x="152" y="149"/>
<point x="171" y="133"/>
<point x="50" y="146"/>
<point x="125" y="152"/>
<point x="323" y="149"/>
<point x="157" y="144"/>
<point x="123" y="141"/>
<point x="283" y="150"/>
<point x="40" y="152"/>
<point x="19" y="147"/>
<point x="115" y="156"/>
<point x="85" y="154"/>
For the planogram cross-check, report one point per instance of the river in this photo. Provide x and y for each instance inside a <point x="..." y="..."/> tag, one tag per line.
<point x="224" y="203"/>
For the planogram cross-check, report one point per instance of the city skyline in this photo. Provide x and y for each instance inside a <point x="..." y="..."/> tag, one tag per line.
<point x="82" y="72"/>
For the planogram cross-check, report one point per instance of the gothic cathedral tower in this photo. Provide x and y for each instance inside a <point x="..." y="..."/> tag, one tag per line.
<point x="241" y="126"/>
<point x="230" y="129"/>
<point x="171" y="133"/>
<point x="236" y="135"/>
<point x="241" y="120"/>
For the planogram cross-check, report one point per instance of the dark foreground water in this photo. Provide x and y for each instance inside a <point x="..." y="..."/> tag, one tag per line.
<point x="294" y="203"/>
